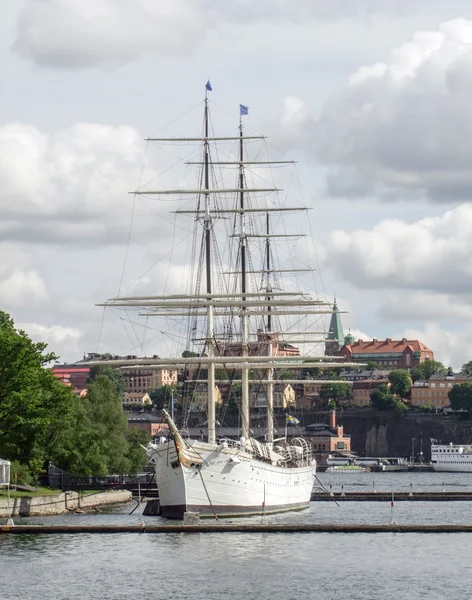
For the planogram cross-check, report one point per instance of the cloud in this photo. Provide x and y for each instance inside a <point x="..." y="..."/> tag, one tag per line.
<point x="21" y="288"/>
<point x="71" y="34"/>
<point x="402" y="128"/>
<point x="68" y="186"/>
<point x="450" y="347"/>
<point x="425" y="306"/>
<point x="61" y="340"/>
<point x="432" y="254"/>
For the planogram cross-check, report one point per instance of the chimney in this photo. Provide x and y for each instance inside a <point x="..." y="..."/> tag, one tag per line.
<point x="332" y="418"/>
<point x="389" y="340"/>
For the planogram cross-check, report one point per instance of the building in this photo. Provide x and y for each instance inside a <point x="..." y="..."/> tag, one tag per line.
<point x="199" y="396"/>
<point x="138" y="379"/>
<point x="335" y="338"/>
<point x="73" y="376"/>
<point x="284" y="395"/>
<point x="328" y="438"/>
<point x="391" y="354"/>
<point x="136" y="398"/>
<point x="150" y="423"/>
<point x="435" y="391"/>
<point x="259" y="347"/>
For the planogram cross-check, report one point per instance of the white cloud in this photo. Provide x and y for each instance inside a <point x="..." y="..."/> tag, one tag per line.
<point x="21" y="288"/>
<point x="431" y="254"/>
<point x="68" y="186"/>
<point x="450" y="347"/>
<point x="61" y="340"/>
<point x="402" y="128"/>
<point x="421" y="307"/>
<point x="71" y="34"/>
<point x="67" y="33"/>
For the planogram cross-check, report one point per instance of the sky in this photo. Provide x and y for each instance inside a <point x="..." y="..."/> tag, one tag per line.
<point x="372" y="98"/>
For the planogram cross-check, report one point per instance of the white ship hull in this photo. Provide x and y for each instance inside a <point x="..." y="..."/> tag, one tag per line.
<point x="451" y="459"/>
<point x="228" y="482"/>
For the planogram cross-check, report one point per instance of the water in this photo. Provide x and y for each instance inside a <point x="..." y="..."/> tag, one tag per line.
<point x="255" y="566"/>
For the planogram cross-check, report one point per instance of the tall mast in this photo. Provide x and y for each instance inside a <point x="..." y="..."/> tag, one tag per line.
<point x="245" y="428"/>
<point x="210" y="316"/>
<point x="270" y="372"/>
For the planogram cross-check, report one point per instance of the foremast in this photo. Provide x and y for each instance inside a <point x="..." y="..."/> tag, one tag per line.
<point x="207" y="226"/>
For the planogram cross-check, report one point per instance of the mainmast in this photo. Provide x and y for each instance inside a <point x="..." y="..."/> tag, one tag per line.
<point x="270" y="346"/>
<point x="207" y="225"/>
<point x="245" y="424"/>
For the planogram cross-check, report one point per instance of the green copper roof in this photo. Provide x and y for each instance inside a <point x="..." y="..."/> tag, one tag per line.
<point x="335" y="332"/>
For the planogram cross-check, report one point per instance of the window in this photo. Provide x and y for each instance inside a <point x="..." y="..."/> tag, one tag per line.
<point x="433" y="385"/>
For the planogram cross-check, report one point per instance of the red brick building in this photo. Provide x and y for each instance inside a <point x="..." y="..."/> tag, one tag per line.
<point x="72" y="376"/>
<point x="391" y="354"/>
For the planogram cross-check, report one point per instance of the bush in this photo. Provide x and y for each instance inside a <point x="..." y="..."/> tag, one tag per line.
<point x="24" y="476"/>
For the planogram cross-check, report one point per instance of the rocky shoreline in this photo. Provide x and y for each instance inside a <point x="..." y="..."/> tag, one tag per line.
<point x="36" y="506"/>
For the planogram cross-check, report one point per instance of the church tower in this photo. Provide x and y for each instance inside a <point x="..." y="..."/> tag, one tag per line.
<point x="335" y="338"/>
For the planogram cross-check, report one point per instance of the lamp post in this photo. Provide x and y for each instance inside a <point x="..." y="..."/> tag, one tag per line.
<point x="413" y="450"/>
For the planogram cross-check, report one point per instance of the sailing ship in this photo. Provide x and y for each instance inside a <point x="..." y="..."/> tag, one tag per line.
<point x="235" y="312"/>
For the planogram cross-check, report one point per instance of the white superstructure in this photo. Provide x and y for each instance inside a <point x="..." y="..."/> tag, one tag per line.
<point x="452" y="458"/>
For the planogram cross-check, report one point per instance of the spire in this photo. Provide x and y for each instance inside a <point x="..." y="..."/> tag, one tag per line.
<point x="335" y="338"/>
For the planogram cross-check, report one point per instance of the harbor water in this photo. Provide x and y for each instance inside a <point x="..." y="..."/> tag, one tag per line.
<point x="255" y="566"/>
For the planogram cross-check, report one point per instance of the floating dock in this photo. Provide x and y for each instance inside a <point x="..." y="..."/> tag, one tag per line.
<point x="445" y="496"/>
<point x="232" y="528"/>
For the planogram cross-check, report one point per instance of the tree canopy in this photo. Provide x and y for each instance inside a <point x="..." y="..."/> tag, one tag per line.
<point x="162" y="396"/>
<point x="382" y="398"/>
<point x="42" y="419"/>
<point x="335" y="391"/>
<point x="400" y="381"/>
<point x="460" y="397"/>
<point x="33" y="403"/>
<point x="466" y="368"/>
<point x="424" y="370"/>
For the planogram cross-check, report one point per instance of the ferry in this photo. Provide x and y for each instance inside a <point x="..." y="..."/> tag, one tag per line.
<point x="452" y="458"/>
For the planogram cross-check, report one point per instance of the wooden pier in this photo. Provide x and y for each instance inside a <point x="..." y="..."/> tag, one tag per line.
<point x="231" y="527"/>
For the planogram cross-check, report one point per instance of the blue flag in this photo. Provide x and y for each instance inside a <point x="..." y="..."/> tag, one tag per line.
<point x="243" y="110"/>
<point x="208" y="86"/>
<point x="290" y="419"/>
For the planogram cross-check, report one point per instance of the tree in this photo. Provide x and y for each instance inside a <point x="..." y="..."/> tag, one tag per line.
<point x="285" y="375"/>
<point x="466" y="368"/>
<point x="162" y="396"/>
<point x="427" y="368"/>
<point x="114" y="375"/>
<point x="335" y="391"/>
<point x="189" y="354"/>
<point x="373" y="366"/>
<point x="460" y="397"/>
<point x="136" y="455"/>
<point x="400" y="381"/>
<point x="382" y="398"/>
<point x="33" y="403"/>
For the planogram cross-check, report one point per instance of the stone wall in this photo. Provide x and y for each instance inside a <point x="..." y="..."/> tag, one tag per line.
<point x="62" y="503"/>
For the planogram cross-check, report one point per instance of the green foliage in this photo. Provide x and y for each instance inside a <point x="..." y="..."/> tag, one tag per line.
<point x="382" y="398"/>
<point x="373" y="366"/>
<point x="400" y="382"/>
<point x="136" y="455"/>
<point x="400" y="409"/>
<point x="162" y="396"/>
<point x="33" y="403"/>
<point x="424" y="370"/>
<point x="285" y="375"/>
<point x="460" y="397"/>
<point x="312" y="373"/>
<point x="93" y="440"/>
<point x="466" y="368"/>
<point x="332" y="405"/>
<point x="114" y="375"/>
<point x="335" y="391"/>
<point x="189" y="354"/>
